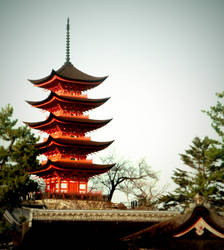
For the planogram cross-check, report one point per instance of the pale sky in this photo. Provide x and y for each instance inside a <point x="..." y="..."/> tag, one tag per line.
<point x="164" y="59"/>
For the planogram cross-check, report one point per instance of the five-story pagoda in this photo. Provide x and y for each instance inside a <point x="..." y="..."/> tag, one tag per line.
<point x="67" y="168"/>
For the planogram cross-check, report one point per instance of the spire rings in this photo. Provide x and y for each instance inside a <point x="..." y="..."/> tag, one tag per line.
<point x="68" y="41"/>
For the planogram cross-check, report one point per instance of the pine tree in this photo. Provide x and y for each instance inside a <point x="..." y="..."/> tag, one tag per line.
<point x="204" y="175"/>
<point x="18" y="155"/>
<point x="216" y="113"/>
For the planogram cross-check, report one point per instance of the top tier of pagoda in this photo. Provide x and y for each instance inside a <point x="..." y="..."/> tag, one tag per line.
<point x="68" y="80"/>
<point x="67" y="168"/>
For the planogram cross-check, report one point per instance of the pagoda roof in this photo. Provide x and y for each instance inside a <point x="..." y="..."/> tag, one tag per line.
<point x="198" y="223"/>
<point x="92" y="103"/>
<point x="72" y="143"/>
<point x="81" y="123"/>
<point x="69" y="72"/>
<point x="72" y="167"/>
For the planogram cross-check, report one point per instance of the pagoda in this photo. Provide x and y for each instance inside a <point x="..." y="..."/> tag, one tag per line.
<point x="67" y="168"/>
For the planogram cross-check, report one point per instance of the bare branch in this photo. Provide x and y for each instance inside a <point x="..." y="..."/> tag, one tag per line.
<point x="125" y="175"/>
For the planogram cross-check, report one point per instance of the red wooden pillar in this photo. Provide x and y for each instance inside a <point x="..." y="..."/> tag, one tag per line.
<point x="68" y="186"/>
<point x="47" y="187"/>
<point x="59" y="184"/>
<point x="53" y="185"/>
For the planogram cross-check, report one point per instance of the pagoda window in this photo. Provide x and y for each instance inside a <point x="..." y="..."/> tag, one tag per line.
<point x="82" y="186"/>
<point x="64" y="185"/>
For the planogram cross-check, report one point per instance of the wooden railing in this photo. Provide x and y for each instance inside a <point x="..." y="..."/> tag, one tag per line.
<point x="71" y="93"/>
<point x="77" y="137"/>
<point x="59" y="157"/>
<point x="68" y="113"/>
<point x="92" y="196"/>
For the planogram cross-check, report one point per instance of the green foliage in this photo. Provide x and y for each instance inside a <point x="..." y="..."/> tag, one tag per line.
<point x="17" y="157"/>
<point x="205" y="175"/>
<point x="205" y="162"/>
<point x="216" y="113"/>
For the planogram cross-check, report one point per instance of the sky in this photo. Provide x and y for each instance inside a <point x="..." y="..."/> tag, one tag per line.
<point x="164" y="59"/>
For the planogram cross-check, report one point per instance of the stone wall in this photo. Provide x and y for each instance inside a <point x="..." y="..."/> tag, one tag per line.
<point x="76" y="204"/>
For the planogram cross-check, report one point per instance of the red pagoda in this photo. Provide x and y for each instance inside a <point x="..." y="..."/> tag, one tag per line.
<point x="67" y="168"/>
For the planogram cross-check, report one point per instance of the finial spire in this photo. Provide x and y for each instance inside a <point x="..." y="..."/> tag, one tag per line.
<point x="68" y="42"/>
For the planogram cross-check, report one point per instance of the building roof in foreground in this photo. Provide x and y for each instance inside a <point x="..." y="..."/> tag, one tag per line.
<point x="62" y="224"/>
<point x="197" y="225"/>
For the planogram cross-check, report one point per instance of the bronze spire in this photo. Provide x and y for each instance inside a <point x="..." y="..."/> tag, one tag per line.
<point x="68" y="42"/>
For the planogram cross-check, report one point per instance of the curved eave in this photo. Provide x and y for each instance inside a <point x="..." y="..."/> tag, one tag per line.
<point x="71" y="142"/>
<point x="69" y="72"/>
<point x="68" y="99"/>
<point x="211" y="221"/>
<point x="70" y="166"/>
<point x="65" y="120"/>
<point x="181" y="225"/>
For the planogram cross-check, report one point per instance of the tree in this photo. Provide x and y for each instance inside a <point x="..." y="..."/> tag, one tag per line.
<point x="145" y="191"/>
<point x="122" y="174"/>
<point x="205" y="175"/>
<point x="216" y="113"/>
<point x="18" y="155"/>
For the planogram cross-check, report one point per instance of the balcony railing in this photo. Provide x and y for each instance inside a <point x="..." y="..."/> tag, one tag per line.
<point x="70" y="114"/>
<point x="77" y="137"/>
<point x="94" y="196"/>
<point x="71" y="93"/>
<point x="72" y="158"/>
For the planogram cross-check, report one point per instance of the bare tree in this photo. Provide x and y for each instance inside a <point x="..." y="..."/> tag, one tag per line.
<point x="146" y="191"/>
<point x="121" y="174"/>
